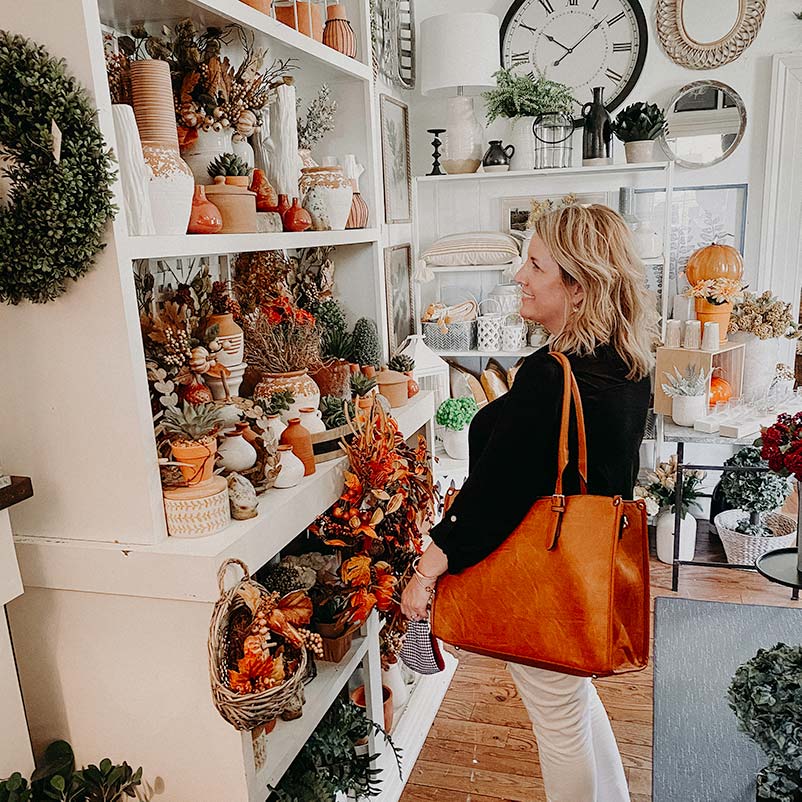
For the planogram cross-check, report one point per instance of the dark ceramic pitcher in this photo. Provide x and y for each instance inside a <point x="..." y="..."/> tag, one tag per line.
<point x="597" y="138"/>
<point x="497" y="155"/>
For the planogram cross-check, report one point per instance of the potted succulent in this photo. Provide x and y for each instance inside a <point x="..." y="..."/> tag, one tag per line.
<point x="764" y="694"/>
<point x="638" y="126"/>
<point x="231" y="168"/>
<point x="362" y="388"/>
<point x="688" y="394"/>
<point x="526" y="100"/>
<point x="405" y="364"/>
<point x="456" y="414"/>
<point x="754" y="526"/>
<point x="661" y="486"/>
<point x="191" y="431"/>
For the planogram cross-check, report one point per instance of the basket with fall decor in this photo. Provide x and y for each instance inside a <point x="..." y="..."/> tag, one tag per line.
<point x="258" y="651"/>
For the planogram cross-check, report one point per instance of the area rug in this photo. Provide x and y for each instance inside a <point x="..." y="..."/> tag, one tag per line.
<point x="699" y="754"/>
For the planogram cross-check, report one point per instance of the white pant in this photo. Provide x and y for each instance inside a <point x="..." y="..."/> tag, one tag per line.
<point x="579" y="757"/>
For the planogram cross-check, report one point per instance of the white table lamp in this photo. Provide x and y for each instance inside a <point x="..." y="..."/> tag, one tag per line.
<point x="459" y="53"/>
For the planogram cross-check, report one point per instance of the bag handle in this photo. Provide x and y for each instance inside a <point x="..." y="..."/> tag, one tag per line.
<point x="570" y="392"/>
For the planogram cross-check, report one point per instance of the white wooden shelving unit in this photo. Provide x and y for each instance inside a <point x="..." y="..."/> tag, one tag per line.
<point x="110" y="635"/>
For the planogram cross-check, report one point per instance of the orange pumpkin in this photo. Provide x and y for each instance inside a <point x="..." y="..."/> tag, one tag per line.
<point x="720" y="390"/>
<point x="715" y="261"/>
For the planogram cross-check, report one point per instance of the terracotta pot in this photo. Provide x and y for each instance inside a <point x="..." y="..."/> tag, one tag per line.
<point x="358" y="698"/>
<point x="306" y="12"/>
<point x="639" y="152"/>
<point x="714" y="313"/>
<point x="296" y="218"/>
<point x="238" y="181"/>
<point x="413" y="388"/>
<point x="283" y="205"/>
<point x="338" y="33"/>
<point x="236" y="204"/>
<point x="328" y="196"/>
<point x="266" y="195"/>
<point x="230" y="336"/>
<point x="363" y="407"/>
<point x="199" y="456"/>
<point x="359" y="215"/>
<point x="264" y="7"/>
<point x="303" y="388"/>
<point x="171" y="188"/>
<point x="299" y="438"/>
<point x="368" y="370"/>
<point x="354" y="368"/>
<point x="205" y="217"/>
<point x="336" y="642"/>
<point x="393" y="386"/>
<point x="334" y="378"/>
<point x="152" y="99"/>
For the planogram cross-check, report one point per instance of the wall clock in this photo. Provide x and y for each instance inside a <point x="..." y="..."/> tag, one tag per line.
<point x="580" y="43"/>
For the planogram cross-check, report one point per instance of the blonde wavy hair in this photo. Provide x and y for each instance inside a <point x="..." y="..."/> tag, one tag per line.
<point x="594" y="248"/>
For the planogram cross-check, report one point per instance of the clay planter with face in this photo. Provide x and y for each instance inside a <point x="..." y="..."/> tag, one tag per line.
<point x="197" y="456"/>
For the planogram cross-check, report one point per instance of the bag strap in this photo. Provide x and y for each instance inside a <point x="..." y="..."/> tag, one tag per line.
<point x="570" y="392"/>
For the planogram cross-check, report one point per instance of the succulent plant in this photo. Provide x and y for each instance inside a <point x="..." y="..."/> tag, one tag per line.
<point x="280" y="401"/>
<point x="693" y="382"/>
<point x="332" y="409"/>
<point x="330" y="316"/>
<point x="361" y="385"/>
<point x="402" y="363"/>
<point x="639" y="122"/>
<point x="228" y="164"/>
<point x="192" y="421"/>
<point x="338" y="345"/>
<point x="366" y="342"/>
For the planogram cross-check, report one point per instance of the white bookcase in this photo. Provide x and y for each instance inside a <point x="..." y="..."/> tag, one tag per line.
<point x="110" y="635"/>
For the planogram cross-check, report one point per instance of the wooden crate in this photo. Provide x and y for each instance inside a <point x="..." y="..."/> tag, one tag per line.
<point x="729" y="357"/>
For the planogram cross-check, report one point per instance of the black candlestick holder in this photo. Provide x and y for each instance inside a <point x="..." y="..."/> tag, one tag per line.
<point x="436" y="142"/>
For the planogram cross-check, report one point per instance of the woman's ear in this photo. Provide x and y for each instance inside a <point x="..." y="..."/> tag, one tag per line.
<point x="576" y="293"/>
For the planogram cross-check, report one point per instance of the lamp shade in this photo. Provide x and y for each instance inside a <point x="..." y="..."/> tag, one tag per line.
<point x="459" y="50"/>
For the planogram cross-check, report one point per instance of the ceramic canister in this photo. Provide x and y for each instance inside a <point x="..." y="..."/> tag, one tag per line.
<point x="327" y="197"/>
<point x="237" y="205"/>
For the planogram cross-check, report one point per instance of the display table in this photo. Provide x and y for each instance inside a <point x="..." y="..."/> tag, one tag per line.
<point x="781" y="566"/>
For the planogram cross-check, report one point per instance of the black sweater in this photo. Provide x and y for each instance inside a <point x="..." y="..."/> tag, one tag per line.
<point x="513" y="449"/>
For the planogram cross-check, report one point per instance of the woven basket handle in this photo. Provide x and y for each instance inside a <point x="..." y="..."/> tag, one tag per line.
<point x="221" y="572"/>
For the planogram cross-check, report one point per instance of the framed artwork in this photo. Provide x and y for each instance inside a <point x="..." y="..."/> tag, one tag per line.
<point x="515" y="212"/>
<point x="396" y="173"/>
<point x="399" y="290"/>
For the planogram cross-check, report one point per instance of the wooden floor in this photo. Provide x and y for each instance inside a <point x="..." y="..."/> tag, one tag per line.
<point x="481" y="747"/>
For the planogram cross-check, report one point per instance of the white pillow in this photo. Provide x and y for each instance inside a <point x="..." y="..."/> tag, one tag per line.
<point x="473" y="248"/>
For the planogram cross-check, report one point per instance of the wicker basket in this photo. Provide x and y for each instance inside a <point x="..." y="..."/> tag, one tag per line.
<point x="460" y="336"/>
<point x="250" y="710"/>
<point x="746" y="549"/>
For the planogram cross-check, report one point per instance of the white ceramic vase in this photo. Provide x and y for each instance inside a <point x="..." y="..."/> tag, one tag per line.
<point x="760" y="362"/>
<point x="687" y="409"/>
<point x="522" y="136"/>
<point x="276" y="426"/>
<point x="456" y="443"/>
<point x="463" y="142"/>
<point x="284" y="163"/>
<point x="134" y="172"/>
<point x="204" y="150"/>
<point x="236" y="453"/>
<point x="394" y="680"/>
<point x="292" y="469"/>
<point x="665" y="537"/>
<point x="639" y="152"/>
<point x="242" y="148"/>
<point x="171" y="186"/>
<point x="312" y="420"/>
<point x="327" y="196"/>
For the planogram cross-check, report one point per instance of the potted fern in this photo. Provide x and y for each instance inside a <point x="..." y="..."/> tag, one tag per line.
<point x="688" y="394"/>
<point x="638" y="126"/>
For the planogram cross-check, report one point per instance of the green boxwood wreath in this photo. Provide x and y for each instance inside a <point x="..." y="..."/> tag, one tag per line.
<point x="52" y="226"/>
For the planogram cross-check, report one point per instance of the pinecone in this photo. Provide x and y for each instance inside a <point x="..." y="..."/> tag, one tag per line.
<point x="228" y="164"/>
<point x="402" y="363"/>
<point x="366" y="342"/>
<point x="281" y="579"/>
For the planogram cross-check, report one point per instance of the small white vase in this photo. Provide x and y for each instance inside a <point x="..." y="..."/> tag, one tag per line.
<point x="312" y="420"/>
<point x="523" y="138"/>
<point x="394" y="680"/>
<point x="462" y="146"/>
<point x="639" y="152"/>
<point x="456" y="443"/>
<point x="171" y="189"/>
<point x="276" y="425"/>
<point x="204" y="150"/>
<point x="648" y="240"/>
<point x="292" y="469"/>
<point x="236" y="453"/>
<point x="687" y="409"/>
<point x="665" y="537"/>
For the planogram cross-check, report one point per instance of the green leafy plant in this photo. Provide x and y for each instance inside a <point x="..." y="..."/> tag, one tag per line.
<point x="456" y="413"/>
<point x="15" y="789"/>
<point x="280" y="401"/>
<point x="525" y="96"/>
<point x="228" y="164"/>
<point x="319" y="119"/>
<point x="402" y="363"/>
<point x="332" y="409"/>
<point x="693" y="382"/>
<point x="361" y="385"/>
<point x="192" y="422"/>
<point x="53" y="224"/>
<point x="330" y="316"/>
<point x="639" y="122"/>
<point x="337" y="344"/>
<point x="367" y="350"/>
<point x="753" y="492"/>
<point x="765" y="696"/>
<point x="329" y="763"/>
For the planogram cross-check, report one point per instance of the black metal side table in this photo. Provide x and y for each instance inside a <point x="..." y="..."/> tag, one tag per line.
<point x="781" y="566"/>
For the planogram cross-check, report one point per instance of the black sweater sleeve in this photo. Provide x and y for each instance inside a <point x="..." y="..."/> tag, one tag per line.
<point x="517" y="465"/>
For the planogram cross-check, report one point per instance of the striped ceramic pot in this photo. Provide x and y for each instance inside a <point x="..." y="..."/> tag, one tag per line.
<point x="338" y="33"/>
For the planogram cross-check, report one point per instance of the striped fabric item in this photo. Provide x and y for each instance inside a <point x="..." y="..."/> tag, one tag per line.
<point x="477" y="248"/>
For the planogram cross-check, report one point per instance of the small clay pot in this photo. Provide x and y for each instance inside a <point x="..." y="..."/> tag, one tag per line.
<point x="266" y="195"/>
<point x="296" y="218"/>
<point x="359" y="699"/>
<point x="283" y="205"/>
<point x="205" y="217"/>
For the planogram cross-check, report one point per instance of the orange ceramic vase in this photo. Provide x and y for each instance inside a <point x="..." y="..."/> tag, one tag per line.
<point x="299" y="438"/>
<point x="338" y="33"/>
<point x="714" y="313"/>
<point x="309" y="18"/>
<point x="358" y="217"/>
<point x="205" y="217"/>
<point x="266" y="195"/>
<point x="283" y="205"/>
<point x="296" y="218"/>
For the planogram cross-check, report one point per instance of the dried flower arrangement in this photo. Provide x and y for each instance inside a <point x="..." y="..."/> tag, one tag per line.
<point x="310" y="279"/>
<point x="259" y="277"/>
<point x="661" y="486"/>
<point x="538" y="208"/>
<point x="765" y="316"/>
<point x="319" y="119"/>
<point x="717" y="290"/>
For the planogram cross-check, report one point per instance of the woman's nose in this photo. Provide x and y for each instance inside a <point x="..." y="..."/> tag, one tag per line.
<point x="518" y="278"/>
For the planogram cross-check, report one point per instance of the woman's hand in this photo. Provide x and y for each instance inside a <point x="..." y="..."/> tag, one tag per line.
<point x="415" y="600"/>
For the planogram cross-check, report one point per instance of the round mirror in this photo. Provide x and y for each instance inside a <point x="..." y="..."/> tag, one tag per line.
<point x="706" y="121"/>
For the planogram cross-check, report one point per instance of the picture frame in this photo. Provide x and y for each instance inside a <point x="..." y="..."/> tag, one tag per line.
<point x="515" y="211"/>
<point x="399" y="294"/>
<point x="396" y="171"/>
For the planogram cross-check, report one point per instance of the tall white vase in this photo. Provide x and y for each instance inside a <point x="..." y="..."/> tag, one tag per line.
<point x="134" y="172"/>
<point x="760" y="362"/>
<point x="204" y="150"/>
<point x="171" y="188"/>
<point x="522" y="137"/>
<point x="665" y="537"/>
<point x="284" y="163"/>
<point x="462" y="146"/>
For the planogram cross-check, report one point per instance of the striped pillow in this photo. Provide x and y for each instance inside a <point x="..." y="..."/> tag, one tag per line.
<point x="477" y="248"/>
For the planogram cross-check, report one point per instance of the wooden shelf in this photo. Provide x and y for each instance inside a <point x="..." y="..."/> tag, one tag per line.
<point x="606" y="169"/>
<point x="122" y="14"/>
<point x="447" y="466"/>
<point x="19" y="490"/>
<point x="209" y="244"/>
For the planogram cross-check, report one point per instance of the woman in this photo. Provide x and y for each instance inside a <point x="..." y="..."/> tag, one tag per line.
<point x="584" y="283"/>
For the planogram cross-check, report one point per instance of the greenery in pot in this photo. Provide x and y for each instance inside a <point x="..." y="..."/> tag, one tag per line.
<point x="765" y="696"/>
<point x="753" y="492"/>
<point x="402" y="363"/>
<point x="329" y="762"/>
<point x="456" y="413"/>
<point x="525" y="96"/>
<point x="193" y="423"/>
<point x="639" y="122"/>
<point x="228" y="164"/>
<point x="367" y="349"/>
<point x="691" y="383"/>
<point x="332" y="410"/>
<point x="337" y="344"/>
<point x="661" y="485"/>
<point x="319" y="119"/>
<point x="361" y="385"/>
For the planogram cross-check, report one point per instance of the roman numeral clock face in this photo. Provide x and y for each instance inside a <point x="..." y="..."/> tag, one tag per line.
<point x="580" y="43"/>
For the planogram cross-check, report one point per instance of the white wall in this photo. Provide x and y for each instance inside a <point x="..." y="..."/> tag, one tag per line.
<point x="749" y="75"/>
